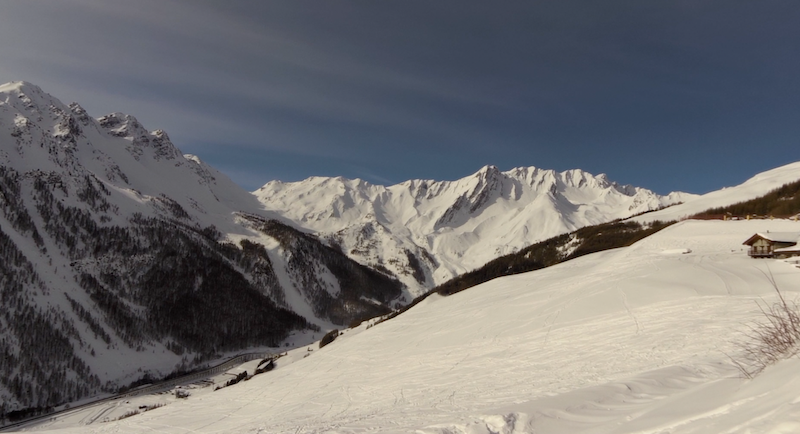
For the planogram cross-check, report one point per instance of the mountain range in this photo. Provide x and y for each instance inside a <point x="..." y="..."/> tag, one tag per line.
<point x="122" y="259"/>
<point x="426" y="232"/>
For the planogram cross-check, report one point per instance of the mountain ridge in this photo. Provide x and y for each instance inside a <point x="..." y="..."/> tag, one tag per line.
<point x="439" y="229"/>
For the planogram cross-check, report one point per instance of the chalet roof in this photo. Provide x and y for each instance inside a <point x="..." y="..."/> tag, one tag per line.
<point x="775" y="237"/>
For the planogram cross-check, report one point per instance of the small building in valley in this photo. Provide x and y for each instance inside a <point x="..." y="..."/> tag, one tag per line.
<point x="773" y="245"/>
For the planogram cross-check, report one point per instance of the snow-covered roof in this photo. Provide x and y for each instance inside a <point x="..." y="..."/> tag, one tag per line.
<point x="776" y="237"/>
<point x="789" y="249"/>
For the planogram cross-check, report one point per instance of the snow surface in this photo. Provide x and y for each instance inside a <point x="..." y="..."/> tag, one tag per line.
<point x="452" y="227"/>
<point x="632" y="340"/>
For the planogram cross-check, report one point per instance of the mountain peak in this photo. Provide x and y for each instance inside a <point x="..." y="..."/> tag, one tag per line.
<point x="121" y="125"/>
<point x="433" y="230"/>
<point x="20" y="87"/>
<point x="488" y="171"/>
<point x="488" y="168"/>
<point x="29" y="98"/>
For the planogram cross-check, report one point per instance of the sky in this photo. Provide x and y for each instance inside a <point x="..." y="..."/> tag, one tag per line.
<point x="668" y="95"/>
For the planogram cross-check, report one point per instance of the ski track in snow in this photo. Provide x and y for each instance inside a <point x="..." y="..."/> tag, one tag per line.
<point x="631" y="340"/>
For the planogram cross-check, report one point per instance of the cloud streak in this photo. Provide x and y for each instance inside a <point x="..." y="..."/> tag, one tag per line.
<point x="435" y="90"/>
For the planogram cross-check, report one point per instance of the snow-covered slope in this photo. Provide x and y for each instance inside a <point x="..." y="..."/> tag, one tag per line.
<point x="754" y="187"/>
<point x="633" y="340"/>
<point x="427" y="232"/>
<point x="119" y="255"/>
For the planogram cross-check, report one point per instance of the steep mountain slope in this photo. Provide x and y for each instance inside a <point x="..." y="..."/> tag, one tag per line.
<point x="119" y="255"/>
<point x="632" y="340"/>
<point x="427" y="232"/>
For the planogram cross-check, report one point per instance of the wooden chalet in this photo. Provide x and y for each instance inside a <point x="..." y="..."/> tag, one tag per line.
<point x="773" y="245"/>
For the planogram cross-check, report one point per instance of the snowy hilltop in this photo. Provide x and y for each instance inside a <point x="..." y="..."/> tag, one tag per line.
<point x="427" y="232"/>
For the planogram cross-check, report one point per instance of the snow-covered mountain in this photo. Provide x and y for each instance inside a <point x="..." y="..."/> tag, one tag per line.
<point x="119" y="255"/>
<point x="427" y="232"/>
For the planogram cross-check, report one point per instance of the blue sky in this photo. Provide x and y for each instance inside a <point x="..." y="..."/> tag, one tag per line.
<point x="668" y="95"/>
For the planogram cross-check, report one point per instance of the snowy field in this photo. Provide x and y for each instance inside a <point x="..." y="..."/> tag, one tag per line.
<point x="634" y="340"/>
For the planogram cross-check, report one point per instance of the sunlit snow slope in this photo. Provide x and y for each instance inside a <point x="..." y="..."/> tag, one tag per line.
<point x="633" y="340"/>
<point x="427" y="232"/>
<point x="755" y="187"/>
